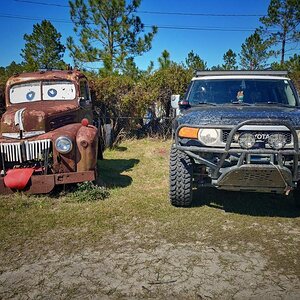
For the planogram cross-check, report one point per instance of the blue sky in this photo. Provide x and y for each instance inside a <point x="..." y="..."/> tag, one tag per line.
<point x="213" y="37"/>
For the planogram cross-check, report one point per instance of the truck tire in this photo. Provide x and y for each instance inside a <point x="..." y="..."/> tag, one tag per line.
<point x="181" y="178"/>
<point x="296" y="195"/>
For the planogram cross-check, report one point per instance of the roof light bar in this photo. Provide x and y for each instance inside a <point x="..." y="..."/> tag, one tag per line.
<point x="241" y="72"/>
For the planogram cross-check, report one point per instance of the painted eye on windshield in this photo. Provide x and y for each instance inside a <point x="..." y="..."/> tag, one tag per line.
<point x="52" y="93"/>
<point x="30" y="95"/>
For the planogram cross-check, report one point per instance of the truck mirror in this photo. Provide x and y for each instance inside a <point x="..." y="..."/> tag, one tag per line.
<point x="175" y="101"/>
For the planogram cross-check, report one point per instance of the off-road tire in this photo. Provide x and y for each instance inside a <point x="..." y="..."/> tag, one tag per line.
<point x="296" y="196"/>
<point x="181" y="178"/>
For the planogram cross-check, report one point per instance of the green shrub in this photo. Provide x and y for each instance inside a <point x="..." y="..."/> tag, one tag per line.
<point x="87" y="192"/>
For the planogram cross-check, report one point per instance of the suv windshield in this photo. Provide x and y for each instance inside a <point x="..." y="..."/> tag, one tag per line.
<point x="250" y="91"/>
<point x="42" y="90"/>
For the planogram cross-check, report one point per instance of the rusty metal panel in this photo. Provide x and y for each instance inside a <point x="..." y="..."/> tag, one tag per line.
<point x="3" y="189"/>
<point x="44" y="184"/>
<point x="39" y="117"/>
<point x="39" y="184"/>
<point x="87" y="148"/>
<point x="74" y="177"/>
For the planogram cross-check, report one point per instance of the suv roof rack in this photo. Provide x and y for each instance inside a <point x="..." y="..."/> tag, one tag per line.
<point x="241" y="72"/>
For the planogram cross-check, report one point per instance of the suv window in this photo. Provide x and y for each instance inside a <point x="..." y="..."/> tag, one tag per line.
<point x="252" y="91"/>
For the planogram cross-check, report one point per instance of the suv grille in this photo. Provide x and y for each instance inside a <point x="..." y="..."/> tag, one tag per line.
<point x="25" y="151"/>
<point x="287" y="135"/>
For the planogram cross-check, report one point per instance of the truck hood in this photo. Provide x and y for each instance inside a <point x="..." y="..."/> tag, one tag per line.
<point x="233" y="115"/>
<point x="36" y="119"/>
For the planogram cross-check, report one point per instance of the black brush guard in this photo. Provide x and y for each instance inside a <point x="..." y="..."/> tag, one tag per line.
<point x="247" y="177"/>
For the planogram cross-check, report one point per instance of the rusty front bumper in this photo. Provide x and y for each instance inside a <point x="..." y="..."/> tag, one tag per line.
<point x="43" y="184"/>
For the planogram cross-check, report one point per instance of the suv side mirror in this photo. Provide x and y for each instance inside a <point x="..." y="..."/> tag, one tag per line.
<point x="175" y="101"/>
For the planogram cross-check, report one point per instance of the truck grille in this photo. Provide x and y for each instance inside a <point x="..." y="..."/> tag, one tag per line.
<point x="287" y="134"/>
<point x="25" y="151"/>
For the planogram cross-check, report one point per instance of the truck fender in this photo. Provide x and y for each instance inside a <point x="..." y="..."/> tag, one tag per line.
<point x="87" y="148"/>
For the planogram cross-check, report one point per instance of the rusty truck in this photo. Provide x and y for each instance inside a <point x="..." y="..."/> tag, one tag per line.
<point x="47" y="132"/>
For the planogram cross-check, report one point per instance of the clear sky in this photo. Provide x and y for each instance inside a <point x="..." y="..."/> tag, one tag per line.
<point x="206" y="31"/>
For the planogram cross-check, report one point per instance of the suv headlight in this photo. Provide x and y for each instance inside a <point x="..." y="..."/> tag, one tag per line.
<point x="63" y="144"/>
<point x="247" y="140"/>
<point x="209" y="136"/>
<point x="277" y="140"/>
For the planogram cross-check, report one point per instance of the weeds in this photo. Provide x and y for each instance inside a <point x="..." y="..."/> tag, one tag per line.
<point x="87" y="192"/>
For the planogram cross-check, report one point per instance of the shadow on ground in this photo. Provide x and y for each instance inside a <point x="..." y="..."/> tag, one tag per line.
<point x="120" y="148"/>
<point x="110" y="171"/>
<point x="254" y="204"/>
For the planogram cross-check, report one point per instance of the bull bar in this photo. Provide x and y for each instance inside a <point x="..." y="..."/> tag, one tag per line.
<point x="216" y="167"/>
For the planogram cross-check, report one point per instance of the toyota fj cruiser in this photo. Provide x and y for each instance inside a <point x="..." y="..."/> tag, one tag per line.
<point x="47" y="137"/>
<point x="238" y="131"/>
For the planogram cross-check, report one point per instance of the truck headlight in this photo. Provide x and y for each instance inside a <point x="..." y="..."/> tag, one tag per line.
<point x="246" y="140"/>
<point x="209" y="136"/>
<point x="277" y="140"/>
<point x="63" y="144"/>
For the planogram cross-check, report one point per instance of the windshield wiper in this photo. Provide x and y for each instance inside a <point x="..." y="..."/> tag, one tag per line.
<point x="239" y="103"/>
<point x="273" y="103"/>
<point x="206" y="103"/>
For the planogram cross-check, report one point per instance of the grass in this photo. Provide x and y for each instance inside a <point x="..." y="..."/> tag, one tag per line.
<point x="136" y="175"/>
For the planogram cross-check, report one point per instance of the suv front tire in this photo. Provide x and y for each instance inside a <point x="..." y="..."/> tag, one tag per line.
<point x="181" y="178"/>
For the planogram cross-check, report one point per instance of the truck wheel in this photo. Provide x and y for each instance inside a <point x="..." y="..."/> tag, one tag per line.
<point x="296" y="196"/>
<point x="100" y="151"/>
<point x="181" y="178"/>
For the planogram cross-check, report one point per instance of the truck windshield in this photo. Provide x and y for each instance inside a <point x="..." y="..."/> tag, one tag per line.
<point x="248" y="91"/>
<point x="42" y="90"/>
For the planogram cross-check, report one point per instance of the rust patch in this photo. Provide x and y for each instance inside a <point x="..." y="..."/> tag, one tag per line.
<point x="87" y="148"/>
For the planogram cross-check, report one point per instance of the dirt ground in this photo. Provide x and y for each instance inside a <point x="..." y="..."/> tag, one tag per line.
<point x="121" y="269"/>
<point x="146" y="249"/>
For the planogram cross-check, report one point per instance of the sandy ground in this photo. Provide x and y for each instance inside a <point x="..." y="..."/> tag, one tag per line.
<point x="120" y="268"/>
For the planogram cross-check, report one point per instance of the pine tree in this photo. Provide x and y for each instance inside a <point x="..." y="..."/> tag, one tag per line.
<point x="43" y="48"/>
<point x="108" y="32"/>
<point x="255" y="53"/>
<point x="283" y="19"/>
<point x="164" y="61"/>
<point x="195" y="63"/>
<point x="229" y="60"/>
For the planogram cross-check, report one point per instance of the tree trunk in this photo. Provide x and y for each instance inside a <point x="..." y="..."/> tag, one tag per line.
<point x="285" y="30"/>
<point x="283" y="48"/>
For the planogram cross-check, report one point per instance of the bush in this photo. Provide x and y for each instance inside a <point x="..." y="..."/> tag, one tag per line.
<point x="88" y="192"/>
<point x="172" y="80"/>
<point x="123" y="101"/>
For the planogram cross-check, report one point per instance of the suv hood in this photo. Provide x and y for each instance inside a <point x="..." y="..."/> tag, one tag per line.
<point x="36" y="119"/>
<point x="234" y="114"/>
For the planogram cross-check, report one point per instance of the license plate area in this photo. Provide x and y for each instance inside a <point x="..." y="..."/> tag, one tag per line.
<point x="260" y="158"/>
